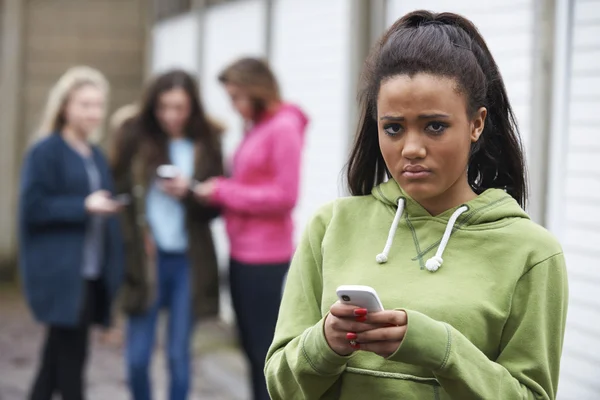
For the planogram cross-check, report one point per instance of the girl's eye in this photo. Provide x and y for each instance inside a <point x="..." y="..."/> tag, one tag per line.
<point x="392" y="129"/>
<point x="436" y="127"/>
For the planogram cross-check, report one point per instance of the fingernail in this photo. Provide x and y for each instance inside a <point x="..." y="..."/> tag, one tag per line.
<point x="360" y="312"/>
<point x="351" y="336"/>
<point x="361" y="319"/>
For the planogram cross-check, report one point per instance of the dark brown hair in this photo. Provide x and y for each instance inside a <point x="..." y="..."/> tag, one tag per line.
<point x="256" y="77"/>
<point x="447" y="45"/>
<point x="144" y="133"/>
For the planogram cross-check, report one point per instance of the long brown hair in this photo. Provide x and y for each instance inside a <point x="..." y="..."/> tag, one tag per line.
<point x="143" y="133"/>
<point x="447" y="45"/>
<point x="257" y="78"/>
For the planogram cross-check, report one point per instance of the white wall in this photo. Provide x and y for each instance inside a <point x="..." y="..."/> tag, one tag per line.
<point x="580" y="209"/>
<point x="175" y="44"/>
<point x="507" y="27"/>
<point x="311" y="56"/>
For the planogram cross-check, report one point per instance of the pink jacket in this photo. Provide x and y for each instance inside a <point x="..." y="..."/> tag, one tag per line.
<point x="259" y="198"/>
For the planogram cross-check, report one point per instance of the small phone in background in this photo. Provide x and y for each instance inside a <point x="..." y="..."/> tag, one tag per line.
<point x="123" y="199"/>
<point x="360" y="296"/>
<point x="167" y="171"/>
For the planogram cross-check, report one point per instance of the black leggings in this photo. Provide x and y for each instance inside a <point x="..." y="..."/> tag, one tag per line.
<point x="65" y="352"/>
<point x="256" y="295"/>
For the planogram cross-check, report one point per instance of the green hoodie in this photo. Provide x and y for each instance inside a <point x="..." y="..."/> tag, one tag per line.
<point x="488" y="324"/>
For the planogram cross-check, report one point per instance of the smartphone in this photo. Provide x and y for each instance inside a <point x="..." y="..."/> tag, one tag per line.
<point x="360" y="296"/>
<point x="167" y="171"/>
<point x="123" y="199"/>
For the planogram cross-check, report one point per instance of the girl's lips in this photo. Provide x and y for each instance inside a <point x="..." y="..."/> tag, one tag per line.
<point x="416" y="174"/>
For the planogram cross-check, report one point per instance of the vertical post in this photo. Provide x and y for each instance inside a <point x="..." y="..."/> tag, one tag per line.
<point x="541" y="107"/>
<point x="359" y="36"/>
<point x="559" y="134"/>
<point x="149" y="11"/>
<point x="199" y="8"/>
<point x="364" y="27"/>
<point x="367" y="22"/>
<point x="377" y="20"/>
<point x="10" y="125"/>
<point x="359" y="42"/>
<point x="269" y="4"/>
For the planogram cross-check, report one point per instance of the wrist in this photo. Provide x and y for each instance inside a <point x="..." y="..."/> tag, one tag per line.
<point x="429" y="350"/>
<point x="215" y="193"/>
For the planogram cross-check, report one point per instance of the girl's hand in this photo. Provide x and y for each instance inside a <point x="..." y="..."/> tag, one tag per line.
<point x="204" y="190"/>
<point x="177" y="187"/>
<point x="101" y="203"/>
<point x="342" y="324"/>
<point x="386" y="338"/>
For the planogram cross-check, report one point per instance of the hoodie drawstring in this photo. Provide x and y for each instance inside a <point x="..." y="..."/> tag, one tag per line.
<point x="383" y="256"/>
<point x="435" y="262"/>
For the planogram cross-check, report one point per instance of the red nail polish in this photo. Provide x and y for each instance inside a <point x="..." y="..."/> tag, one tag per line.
<point x="351" y="336"/>
<point x="360" y="312"/>
<point x="361" y="319"/>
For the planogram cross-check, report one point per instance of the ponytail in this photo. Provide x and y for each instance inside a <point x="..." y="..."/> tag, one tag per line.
<point x="497" y="158"/>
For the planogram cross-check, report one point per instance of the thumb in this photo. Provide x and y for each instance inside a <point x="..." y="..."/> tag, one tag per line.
<point x="103" y="193"/>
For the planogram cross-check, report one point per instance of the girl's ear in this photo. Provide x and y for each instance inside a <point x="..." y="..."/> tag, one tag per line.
<point x="478" y="124"/>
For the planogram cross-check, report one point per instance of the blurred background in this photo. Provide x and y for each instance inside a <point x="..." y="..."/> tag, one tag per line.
<point x="548" y="52"/>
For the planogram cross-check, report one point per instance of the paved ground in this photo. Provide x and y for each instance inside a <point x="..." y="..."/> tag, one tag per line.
<point x="219" y="370"/>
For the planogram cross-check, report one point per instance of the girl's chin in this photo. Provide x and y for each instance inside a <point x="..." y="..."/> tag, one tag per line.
<point x="418" y="190"/>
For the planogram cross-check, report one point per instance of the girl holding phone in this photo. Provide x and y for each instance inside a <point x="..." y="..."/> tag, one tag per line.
<point x="171" y="259"/>
<point x="475" y="293"/>
<point x="71" y="248"/>
<point x="258" y="201"/>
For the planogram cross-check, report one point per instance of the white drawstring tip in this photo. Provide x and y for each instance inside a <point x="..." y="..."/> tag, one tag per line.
<point x="381" y="258"/>
<point x="434" y="263"/>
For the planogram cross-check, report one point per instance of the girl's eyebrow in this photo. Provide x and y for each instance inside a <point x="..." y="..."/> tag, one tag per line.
<point x="422" y="116"/>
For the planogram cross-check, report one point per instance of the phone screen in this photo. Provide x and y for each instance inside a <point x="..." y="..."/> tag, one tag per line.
<point x="167" y="171"/>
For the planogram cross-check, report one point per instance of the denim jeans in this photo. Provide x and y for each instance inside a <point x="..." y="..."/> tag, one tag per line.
<point x="174" y="294"/>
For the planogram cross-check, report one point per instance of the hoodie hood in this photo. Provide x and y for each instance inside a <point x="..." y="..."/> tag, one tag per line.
<point x="291" y="113"/>
<point x="491" y="206"/>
